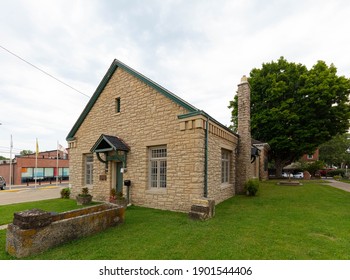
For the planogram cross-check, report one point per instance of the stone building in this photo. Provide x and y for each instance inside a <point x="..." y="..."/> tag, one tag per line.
<point x="154" y="147"/>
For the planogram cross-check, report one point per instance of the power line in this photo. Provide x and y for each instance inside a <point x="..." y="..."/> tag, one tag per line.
<point x="43" y="71"/>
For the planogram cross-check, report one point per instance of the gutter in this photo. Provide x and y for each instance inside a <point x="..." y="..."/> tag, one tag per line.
<point x="206" y="158"/>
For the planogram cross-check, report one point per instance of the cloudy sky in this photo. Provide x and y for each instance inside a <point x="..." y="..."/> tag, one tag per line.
<point x="198" y="49"/>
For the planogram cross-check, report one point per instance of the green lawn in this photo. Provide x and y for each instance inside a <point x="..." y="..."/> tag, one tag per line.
<point x="52" y="205"/>
<point x="304" y="222"/>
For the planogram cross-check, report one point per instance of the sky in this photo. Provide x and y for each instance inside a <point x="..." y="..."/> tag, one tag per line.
<point x="197" y="49"/>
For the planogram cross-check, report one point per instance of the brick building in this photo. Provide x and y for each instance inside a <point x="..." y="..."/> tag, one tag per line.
<point x="133" y="131"/>
<point x="23" y="167"/>
<point x="311" y="157"/>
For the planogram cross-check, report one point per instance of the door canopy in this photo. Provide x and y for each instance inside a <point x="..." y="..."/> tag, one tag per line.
<point x="114" y="148"/>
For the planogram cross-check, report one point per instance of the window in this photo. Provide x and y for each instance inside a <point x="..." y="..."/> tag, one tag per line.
<point x="225" y="166"/>
<point x="89" y="166"/>
<point x="158" y="167"/>
<point x="310" y="156"/>
<point x="117" y="105"/>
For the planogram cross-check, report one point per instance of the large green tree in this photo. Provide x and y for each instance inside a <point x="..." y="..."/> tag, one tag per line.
<point x="296" y="109"/>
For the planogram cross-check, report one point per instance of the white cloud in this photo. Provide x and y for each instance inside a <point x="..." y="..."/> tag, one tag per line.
<point x="197" y="49"/>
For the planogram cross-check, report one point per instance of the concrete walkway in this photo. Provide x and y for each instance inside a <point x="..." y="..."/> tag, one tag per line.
<point x="339" y="185"/>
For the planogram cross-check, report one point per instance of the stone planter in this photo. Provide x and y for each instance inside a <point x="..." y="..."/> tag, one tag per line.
<point x="84" y="199"/>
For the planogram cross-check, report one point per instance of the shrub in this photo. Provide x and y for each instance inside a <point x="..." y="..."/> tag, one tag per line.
<point x="336" y="172"/>
<point x="84" y="192"/>
<point x="251" y="187"/>
<point x="65" y="193"/>
<point x="337" y="177"/>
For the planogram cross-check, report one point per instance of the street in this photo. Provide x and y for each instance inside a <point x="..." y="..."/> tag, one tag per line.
<point x="18" y="194"/>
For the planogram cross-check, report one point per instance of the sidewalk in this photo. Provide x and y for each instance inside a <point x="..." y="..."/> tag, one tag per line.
<point x="339" y="185"/>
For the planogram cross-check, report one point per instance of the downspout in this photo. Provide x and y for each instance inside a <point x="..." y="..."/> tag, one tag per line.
<point x="206" y="158"/>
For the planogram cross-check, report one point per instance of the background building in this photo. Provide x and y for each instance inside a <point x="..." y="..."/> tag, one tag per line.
<point x="48" y="167"/>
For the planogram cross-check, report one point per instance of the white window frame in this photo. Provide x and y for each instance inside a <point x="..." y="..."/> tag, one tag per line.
<point x="225" y="166"/>
<point x="89" y="169"/>
<point x="157" y="167"/>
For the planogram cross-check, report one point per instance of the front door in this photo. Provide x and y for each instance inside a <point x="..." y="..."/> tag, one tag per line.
<point x="119" y="177"/>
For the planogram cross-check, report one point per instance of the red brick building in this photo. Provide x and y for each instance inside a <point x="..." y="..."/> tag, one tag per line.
<point x="23" y="168"/>
<point x="311" y="157"/>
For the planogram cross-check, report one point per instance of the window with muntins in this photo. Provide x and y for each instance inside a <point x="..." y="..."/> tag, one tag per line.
<point x="158" y="167"/>
<point x="89" y="166"/>
<point x="225" y="166"/>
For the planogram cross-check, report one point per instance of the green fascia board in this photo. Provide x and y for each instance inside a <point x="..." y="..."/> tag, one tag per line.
<point x="115" y="64"/>
<point x="207" y="116"/>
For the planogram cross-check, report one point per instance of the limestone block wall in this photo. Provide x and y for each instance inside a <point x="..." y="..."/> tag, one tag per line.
<point x="216" y="189"/>
<point x="146" y="119"/>
<point x="149" y="119"/>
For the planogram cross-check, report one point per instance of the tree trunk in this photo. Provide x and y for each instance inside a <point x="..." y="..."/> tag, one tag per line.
<point x="279" y="164"/>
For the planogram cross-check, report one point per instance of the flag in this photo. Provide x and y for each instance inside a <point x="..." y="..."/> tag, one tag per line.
<point x="37" y="147"/>
<point x="61" y="148"/>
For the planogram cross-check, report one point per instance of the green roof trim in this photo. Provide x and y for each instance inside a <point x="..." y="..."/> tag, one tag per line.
<point x="115" y="64"/>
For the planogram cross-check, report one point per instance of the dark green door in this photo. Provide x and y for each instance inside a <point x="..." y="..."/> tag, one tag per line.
<point x="119" y="180"/>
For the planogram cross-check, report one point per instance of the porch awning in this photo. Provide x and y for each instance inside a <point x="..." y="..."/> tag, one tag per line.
<point x="107" y="143"/>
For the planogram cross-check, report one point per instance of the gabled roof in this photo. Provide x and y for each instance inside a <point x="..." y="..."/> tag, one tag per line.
<point x="115" y="64"/>
<point x="108" y="143"/>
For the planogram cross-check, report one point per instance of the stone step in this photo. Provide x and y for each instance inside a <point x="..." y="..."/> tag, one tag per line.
<point x="197" y="216"/>
<point x="200" y="209"/>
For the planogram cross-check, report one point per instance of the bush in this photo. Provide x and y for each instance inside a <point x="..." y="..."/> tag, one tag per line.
<point x="251" y="187"/>
<point x="65" y="193"/>
<point x="337" y="177"/>
<point x="336" y="172"/>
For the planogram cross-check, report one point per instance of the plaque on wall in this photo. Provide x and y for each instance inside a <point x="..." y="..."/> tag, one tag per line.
<point x="103" y="177"/>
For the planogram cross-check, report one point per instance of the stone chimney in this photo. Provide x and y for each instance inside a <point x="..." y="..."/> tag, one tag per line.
<point x="245" y="141"/>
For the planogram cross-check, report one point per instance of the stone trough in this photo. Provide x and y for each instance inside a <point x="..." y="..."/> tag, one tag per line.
<point x="35" y="231"/>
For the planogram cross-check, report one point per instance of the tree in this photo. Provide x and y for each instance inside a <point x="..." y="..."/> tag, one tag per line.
<point x="336" y="151"/>
<point x="26" y="152"/>
<point x="295" y="109"/>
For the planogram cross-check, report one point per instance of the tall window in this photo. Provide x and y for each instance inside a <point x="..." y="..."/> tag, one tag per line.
<point x="225" y="166"/>
<point x="117" y="105"/>
<point x="89" y="166"/>
<point x="158" y="167"/>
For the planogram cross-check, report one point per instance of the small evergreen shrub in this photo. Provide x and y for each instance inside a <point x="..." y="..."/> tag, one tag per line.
<point x="251" y="187"/>
<point x="84" y="192"/>
<point x="65" y="193"/>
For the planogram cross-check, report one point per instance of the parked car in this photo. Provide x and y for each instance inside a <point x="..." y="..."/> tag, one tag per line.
<point x="286" y="175"/>
<point x="2" y="183"/>
<point x="298" y="175"/>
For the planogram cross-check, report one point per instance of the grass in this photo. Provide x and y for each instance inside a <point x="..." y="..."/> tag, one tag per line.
<point x="299" y="222"/>
<point x="52" y="205"/>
